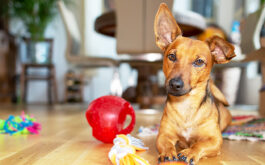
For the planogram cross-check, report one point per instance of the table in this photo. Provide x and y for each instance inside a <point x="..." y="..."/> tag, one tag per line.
<point x="106" y="23"/>
<point x="66" y="139"/>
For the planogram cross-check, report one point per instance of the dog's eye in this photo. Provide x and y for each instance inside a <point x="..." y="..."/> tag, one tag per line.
<point x="198" y="63"/>
<point x="172" y="57"/>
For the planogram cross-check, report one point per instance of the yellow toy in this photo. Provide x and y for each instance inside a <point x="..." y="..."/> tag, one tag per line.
<point x="124" y="151"/>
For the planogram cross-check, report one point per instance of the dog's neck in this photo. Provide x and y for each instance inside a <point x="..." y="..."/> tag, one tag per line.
<point x="188" y="105"/>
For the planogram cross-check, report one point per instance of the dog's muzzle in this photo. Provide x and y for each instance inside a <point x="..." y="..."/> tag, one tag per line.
<point x="175" y="87"/>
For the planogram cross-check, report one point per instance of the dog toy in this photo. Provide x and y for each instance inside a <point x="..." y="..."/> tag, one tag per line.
<point x="23" y="124"/>
<point x="124" y="151"/>
<point x="151" y="130"/>
<point x="106" y="115"/>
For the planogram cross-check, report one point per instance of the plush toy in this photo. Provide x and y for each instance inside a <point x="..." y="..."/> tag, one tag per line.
<point x="23" y="124"/>
<point x="106" y="115"/>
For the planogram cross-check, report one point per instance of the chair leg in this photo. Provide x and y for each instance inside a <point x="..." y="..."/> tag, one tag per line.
<point x="54" y="84"/>
<point x="23" y="84"/>
<point x="49" y="91"/>
<point x="26" y="91"/>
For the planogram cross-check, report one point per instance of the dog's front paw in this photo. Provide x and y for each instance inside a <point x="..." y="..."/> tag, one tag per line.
<point x="167" y="153"/>
<point x="187" y="156"/>
<point x="167" y="158"/>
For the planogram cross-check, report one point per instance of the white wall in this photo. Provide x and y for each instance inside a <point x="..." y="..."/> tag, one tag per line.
<point x="225" y="14"/>
<point x="180" y="5"/>
<point x="99" y="45"/>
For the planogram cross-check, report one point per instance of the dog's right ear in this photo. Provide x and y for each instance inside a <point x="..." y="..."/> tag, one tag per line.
<point x="165" y="27"/>
<point x="222" y="51"/>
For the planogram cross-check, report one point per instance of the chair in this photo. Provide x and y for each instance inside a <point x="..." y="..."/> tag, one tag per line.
<point x="49" y="77"/>
<point x="83" y="61"/>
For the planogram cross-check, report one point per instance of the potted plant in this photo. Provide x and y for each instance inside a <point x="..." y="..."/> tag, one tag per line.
<point x="36" y="16"/>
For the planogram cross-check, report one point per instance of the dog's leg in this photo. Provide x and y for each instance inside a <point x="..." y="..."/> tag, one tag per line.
<point x="225" y="116"/>
<point x="166" y="147"/>
<point x="204" y="147"/>
<point x="166" y="140"/>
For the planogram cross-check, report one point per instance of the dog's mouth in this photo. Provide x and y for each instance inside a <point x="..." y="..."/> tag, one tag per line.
<point x="175" y="92"/>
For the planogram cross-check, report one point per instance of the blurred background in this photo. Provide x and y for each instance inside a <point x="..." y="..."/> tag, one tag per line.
<point x="73" y="51"/>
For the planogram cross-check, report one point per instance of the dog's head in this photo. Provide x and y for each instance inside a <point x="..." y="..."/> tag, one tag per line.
<point x="186" y="62"/>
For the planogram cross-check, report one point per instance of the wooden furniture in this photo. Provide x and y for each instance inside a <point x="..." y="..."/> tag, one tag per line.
<point x="49" y="77"/>
<point x="74" y="86"/>
<point x="66" y="138"/>
<point x="7" y="68"/>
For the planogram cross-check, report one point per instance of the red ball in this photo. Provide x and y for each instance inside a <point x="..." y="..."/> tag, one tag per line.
<point x="106" y="115"/>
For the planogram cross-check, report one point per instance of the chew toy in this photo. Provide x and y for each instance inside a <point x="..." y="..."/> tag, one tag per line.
<point x="124" y="151"/>
<point x="106" y="115"/>
<point x="23" y="124"/>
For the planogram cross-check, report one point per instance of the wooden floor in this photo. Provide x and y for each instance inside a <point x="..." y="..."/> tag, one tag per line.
<point x="66" y="139"/>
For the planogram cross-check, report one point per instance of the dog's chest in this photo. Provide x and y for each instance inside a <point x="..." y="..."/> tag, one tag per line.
<point x="186" y="133"/>
<point x="186" y="117"/>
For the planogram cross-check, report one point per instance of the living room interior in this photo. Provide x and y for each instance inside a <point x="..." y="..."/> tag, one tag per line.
<point x="58" y="56"/>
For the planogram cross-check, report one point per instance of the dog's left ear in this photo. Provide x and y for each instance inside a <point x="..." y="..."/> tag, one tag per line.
<point x="222" y="51"/>
<point x="165" y="27"/>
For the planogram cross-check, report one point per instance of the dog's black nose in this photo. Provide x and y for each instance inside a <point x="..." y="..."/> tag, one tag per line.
<point x="176" y="83"/>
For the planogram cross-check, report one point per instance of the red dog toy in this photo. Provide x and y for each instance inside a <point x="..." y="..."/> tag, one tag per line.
<point x="106" y="115"/>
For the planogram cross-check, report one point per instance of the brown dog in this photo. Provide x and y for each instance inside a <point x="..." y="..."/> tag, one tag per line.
<point x="194" y="114"/>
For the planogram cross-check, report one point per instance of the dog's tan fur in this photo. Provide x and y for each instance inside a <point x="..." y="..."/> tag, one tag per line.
<point x="194" y="119"/>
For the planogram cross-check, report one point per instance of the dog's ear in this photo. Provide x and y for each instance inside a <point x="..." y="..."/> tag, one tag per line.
<point x="222" y="51"/>
<point x="165" y="27"/>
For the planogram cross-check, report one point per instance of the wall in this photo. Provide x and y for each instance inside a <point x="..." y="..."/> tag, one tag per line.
<point x="99" y="45"/>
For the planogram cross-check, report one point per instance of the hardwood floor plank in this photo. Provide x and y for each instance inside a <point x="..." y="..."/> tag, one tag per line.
<point x="259" y="159"/>
<point x="31" y="154"/>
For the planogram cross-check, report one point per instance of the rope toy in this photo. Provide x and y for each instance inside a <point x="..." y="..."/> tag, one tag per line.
<point x="124" y="151"/>
<point x="23" y="124"/>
